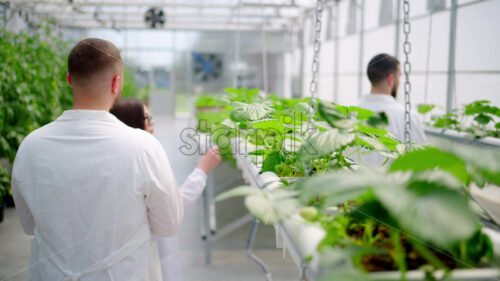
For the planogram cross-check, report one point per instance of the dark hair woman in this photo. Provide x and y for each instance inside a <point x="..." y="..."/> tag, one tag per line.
<point x="135" y="113"/>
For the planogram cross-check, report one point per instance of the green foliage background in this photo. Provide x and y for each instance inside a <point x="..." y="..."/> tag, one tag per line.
<point x="33" y="86"/>
<point x="130" y="87"/>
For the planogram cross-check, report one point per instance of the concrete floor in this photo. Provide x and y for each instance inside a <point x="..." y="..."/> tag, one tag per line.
<point x="229" y="260"/>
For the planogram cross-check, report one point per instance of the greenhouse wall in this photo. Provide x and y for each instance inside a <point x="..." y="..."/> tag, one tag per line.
<point x="477" y="63"/>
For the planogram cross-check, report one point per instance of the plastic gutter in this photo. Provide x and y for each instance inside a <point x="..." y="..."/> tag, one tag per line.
<point x="462" y="137"/>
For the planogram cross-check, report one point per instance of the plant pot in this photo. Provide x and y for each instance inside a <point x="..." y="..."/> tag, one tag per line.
<point x="9" y="200"/>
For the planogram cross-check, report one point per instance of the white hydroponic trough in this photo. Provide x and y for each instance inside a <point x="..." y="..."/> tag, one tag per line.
<point x="289" y="236"/>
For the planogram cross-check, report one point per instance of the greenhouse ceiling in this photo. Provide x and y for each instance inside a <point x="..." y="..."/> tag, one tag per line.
<point x="244" y="15"/>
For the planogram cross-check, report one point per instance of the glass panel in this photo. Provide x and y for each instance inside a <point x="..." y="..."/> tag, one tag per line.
<point x="348" y="90"/>
<point x="348" y="54"/>
<point x="374" y="45"/>
<point x="386" y="14"/>
<point x="472" y="87"/>
<point x="372" y="8"/>
<point x="478" y="37"/>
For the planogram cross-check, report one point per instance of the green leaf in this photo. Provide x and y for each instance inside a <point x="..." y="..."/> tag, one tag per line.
<point x="378" y="120"/>
<point x="271" y="124"/>
<point x="240" y="191"/>
<point x="371" y="142"/>
<point x="483" y="119"/>
<point x="325" y="143"/>
<point x="429" y="159"/>
<point x="425" y="108"/>
<point x="331" y="113"/>
<point x="389" y="142"/>
<point x="371" y="130"/>
<point x="257" y="152"/>
<point x="442" y="217"/>
<point x="439" y="177"/>
<point x="343" y="109"/>
<point x="271" y="161"/>
<point x="362" y="113"/>
<point x="234" y="91"/>
<point x="483" y="160"/>
<point x="348" y="185"/>
<point x="273" y="206"/>
<point x="250" y="112"/>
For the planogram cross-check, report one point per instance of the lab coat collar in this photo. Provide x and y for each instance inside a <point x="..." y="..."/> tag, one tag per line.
<point x="379" y="98"/>
<point x="84" y="114"/>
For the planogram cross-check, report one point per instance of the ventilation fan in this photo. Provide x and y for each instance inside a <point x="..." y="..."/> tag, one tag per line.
<point x="207" y="66"/>
<point x="154" y="17"/>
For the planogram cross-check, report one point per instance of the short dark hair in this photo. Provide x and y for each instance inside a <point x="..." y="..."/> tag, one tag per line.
<point x="91" y="57"/>
<point x="130" y="111"/>
<point x="380" y="66"/>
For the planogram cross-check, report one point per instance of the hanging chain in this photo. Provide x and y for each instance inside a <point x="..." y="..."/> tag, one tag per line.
<point x="407" y="71"/>
<point x="313" y="88"/>
<point x="237" y="46"/>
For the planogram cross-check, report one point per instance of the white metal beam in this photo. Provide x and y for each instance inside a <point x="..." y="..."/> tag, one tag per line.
<point x="188" y="27"/>
<point x="204" y="5"/>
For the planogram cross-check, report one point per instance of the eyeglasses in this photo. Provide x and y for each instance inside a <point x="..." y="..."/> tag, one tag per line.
<point x="149" y="118"/>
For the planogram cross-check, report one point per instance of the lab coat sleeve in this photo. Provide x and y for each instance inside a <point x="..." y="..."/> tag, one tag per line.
<point x="162" y="197"/>
<point x="22" y="209"/>
<point x="192" y="188"/>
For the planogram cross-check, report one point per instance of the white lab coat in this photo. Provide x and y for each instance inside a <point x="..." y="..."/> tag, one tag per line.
<point x="396" y="114"/>
<point x="168" y="247"/>
<point x="92" y="191"/>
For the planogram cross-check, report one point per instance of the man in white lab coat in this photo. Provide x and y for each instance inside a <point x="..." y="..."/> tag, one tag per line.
<point x="91" y="189"/>
<point x="384" y="72"/>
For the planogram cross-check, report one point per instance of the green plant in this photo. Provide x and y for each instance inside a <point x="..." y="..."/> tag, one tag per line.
<point x="290" y="146"/>
<point x="478" y="118"/>
<point x="4" y="183"/>
<point x="130" y="87"/>
<point x="413" y="215"/>
<point x="33" y="86"/>
<point x="210" y="100"/>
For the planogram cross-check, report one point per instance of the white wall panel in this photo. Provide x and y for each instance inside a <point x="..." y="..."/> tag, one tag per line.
<point x="478" y="37"/>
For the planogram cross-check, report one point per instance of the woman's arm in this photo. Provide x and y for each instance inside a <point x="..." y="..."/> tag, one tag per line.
<point x="192" y="188"/>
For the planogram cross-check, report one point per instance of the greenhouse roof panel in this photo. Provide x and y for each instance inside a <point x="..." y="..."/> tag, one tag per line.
<point x="169" y="14"/>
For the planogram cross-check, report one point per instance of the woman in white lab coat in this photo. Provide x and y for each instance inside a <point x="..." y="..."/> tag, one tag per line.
<point x="135" y="113"/>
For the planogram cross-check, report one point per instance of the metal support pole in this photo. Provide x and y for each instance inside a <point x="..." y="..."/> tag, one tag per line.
<point x="237" y="46"/>
<point x="212" y="212"/>
<point x="302" y="60"/>
<point x="450" y="91"/>
<point x="206" y="226"/>
<point x="398" y="28"/>
<point x="251" y="237"/>
<point x="336" y="54"/>
<point x="361" y="48"/>
<point x="4" y="13"/>
<point x="264" y="54"/>
<point x="428" y="60"/>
